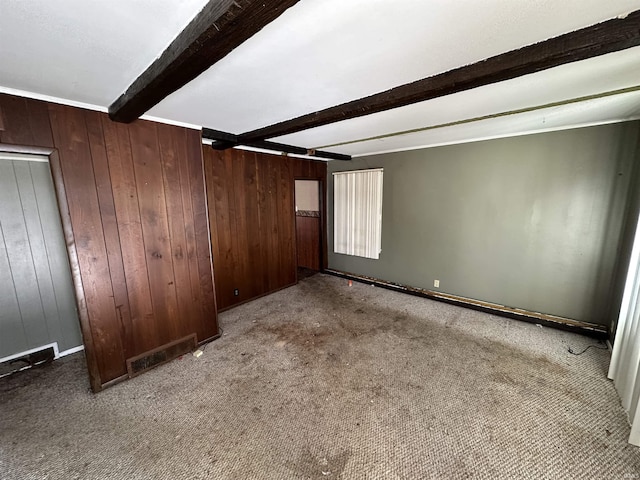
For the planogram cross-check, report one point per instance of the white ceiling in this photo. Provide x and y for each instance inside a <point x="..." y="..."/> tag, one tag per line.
<point x="321" y="53"/>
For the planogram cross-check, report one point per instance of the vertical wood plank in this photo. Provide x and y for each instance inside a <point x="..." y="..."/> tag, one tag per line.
<point x="126" y="202"/>
<point x="265" y="224"/>
<point x="70" y="137"/>
<point x="219" y="192"/>
<point x="286" y="192"/>
<point x="243" y="279"/>
<point x="206" y="325"/>
<point x="274" y="234"/>
<point x="201" y="227"/>
<point x="170" y="149"/>
<point x="321" y="175"/>
<point x="24" y="121"/>
<point x="255" y="260"/>
<point x="17" y="128"/>
<point x="308" y="241"/>
<point x="155" y="228"/>
<point x="212" y="212"/>
<point x="90" y="349"/>
<point x="39" y="124"/>
<point x="2" y="123"/>
<point x="125" y="199"/>
<point x="104" y="190"/>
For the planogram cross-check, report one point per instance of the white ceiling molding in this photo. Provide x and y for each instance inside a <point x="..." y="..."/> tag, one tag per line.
<point x="88" y="106"/>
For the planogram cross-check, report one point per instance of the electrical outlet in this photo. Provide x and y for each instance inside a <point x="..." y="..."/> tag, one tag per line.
<point x="436" y="283"/>
<point x="236" y="292"/>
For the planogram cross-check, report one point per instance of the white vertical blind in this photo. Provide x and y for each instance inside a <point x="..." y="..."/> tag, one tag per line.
<point x="625" y="359"/>
<point x="357" y="213"/>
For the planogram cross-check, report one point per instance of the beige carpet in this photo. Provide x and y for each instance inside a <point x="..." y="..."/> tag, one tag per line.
<point x="324" y="381"/>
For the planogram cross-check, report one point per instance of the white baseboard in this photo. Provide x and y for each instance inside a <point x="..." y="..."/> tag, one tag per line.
<point x="54" y="345"/>
<point x="77" y="349"/>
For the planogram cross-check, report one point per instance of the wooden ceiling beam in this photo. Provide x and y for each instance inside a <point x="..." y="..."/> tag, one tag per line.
<point x="224" y="140"/>
<point x="599" y="39"/>
<point x="220" y="27"/>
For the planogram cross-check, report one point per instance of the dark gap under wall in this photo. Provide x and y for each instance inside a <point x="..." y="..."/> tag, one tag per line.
<point x="533" y="222"/>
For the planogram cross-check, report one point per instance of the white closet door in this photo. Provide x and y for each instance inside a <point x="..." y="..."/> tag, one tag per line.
<point x="625" y="359"/>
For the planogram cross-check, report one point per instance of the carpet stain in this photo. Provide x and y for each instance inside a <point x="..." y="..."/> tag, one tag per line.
<point x="323" y="380"/>
<point x="315" y="467"/>
<point x="298" y="334"/>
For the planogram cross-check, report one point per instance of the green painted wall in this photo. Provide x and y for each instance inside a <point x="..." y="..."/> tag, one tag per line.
<point x="37" y="300"/>
<point x="534" y="222"/>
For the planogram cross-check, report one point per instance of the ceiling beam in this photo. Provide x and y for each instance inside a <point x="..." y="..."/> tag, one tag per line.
<point x="606" y="37"/>
<point x="220" y="27"/>
<point x="224" y="140"/>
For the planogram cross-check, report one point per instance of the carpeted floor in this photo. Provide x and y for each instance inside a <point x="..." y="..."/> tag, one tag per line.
<point x="324" y="381"/>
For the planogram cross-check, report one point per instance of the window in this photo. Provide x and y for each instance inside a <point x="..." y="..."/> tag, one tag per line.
<point x="357" y="213"/>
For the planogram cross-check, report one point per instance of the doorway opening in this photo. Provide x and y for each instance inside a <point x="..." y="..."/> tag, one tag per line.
<point x="38" y="318"/>
<point x="308" y="209"/>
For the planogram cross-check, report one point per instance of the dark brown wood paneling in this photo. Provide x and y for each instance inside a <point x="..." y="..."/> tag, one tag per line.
<point x="265" y="226"/>
<point x="25" y="122"/>
<point x="81" y="301"/>
<point x="196" y="225"/>
<point x="222" y="223"/>
<point x="251" y="214"/>
<point x="244" y="193"/>
<point x="171" y="143"/>
<point x="71" y="139"/>
<point x="308" y="241"/>
<point x="104" y="190"/>
<point x="136" y="225"/>
<point x="147" y="168"/>
<point x="286" y="207"/>
<point x="197" y="189"/>
<point x="125" y="198"/>
<point x="17" y="129"/>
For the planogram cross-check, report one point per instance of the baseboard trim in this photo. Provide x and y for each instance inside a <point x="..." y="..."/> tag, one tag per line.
<point x="124" y="377"/>
<point x="210" y="339"/>
<point x="553" y="321"/>
<point x="113" y="382"/>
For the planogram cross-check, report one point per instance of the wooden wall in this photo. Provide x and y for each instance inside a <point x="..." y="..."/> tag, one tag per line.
<point x="252" y="219"/>
<point x="308" y="232"/>
<point x="137" y="209"/>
